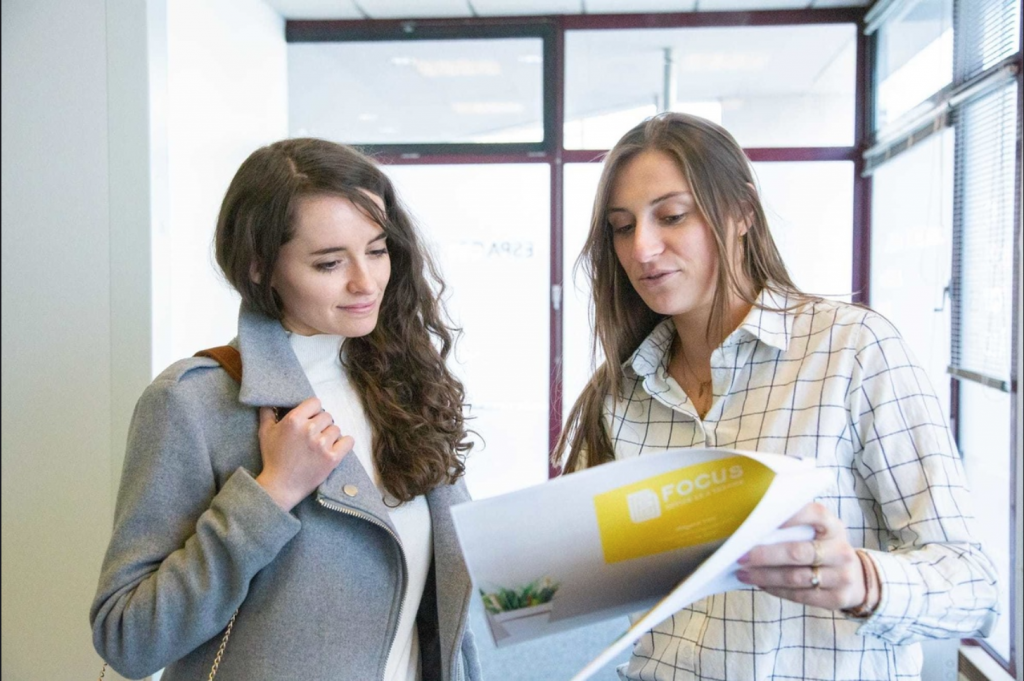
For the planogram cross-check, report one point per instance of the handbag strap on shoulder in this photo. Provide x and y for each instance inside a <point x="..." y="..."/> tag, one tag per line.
<point x="228" y="357"/>
<point x="231" y="360"/>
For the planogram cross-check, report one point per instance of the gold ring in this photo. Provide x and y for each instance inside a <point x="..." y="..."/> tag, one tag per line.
<point x="815" y="577"/>
<point x="817" y="553"/>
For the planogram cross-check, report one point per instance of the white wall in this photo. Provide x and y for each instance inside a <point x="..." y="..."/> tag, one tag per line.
<point x="75" y="224"/>
<point x="115" y="157"/>
<point x="227" y="96"/>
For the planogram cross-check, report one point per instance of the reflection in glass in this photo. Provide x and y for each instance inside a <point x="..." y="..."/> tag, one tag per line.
<point x="771" y="86"/>
<point x="490" y="228"/>
<point x="417" y="91"/>
<point x="914" y="58"/>
<point x="986" y="417"/>
<point x="911" y="251"/>
<point x="810" y="211"/>
<point x="580" y="185"/>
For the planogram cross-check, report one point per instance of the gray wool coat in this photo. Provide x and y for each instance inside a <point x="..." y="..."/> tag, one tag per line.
<point x="319" y="589"/>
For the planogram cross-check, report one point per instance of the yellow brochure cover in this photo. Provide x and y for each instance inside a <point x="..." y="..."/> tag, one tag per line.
<point x="680" y="508"/>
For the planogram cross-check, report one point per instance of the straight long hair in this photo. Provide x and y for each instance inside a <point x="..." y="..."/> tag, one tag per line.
<point x="413" y="401"/>
<point x="722" y="184"/>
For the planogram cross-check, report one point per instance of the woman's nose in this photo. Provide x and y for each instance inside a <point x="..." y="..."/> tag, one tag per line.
<point x="361" y="280"/>
<point x="646" y="241"/>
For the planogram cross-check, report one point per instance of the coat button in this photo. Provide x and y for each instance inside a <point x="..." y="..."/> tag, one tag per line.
<point x="350" y="490"/>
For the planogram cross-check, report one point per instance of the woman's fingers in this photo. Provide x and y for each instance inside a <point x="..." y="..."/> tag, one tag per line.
<point x="824" y="522"/>
<point x="299" y="452"/>
<point x="319" y="423"/>
<point x="267" y="418"/>
<point x="816" y="552"/>
<point x="328" y="436"/>
<point x="343" y="446"/>
<point x="307" y="408"/>
<point x="823" y="572"/>
<point x="803" y="577"/>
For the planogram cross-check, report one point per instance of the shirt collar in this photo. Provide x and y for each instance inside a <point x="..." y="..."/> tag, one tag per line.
<point x="652" y="354"/>
<point x="768" y="321"/>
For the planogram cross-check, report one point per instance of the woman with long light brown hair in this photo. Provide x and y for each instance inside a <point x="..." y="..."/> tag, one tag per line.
<point x="709" y="343"/>
<point x="296" y="524"/>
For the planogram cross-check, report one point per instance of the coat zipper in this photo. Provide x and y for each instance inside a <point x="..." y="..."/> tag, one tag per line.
<point x="401" y="596"/>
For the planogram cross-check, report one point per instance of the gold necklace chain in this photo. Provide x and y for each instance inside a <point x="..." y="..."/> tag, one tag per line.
<point x="703" y="387"/>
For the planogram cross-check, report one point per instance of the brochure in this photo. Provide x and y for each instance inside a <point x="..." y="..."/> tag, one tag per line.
<point x="655" y="532"/>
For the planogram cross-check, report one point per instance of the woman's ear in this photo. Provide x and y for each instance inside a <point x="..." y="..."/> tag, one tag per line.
<point x="254" y="273"/>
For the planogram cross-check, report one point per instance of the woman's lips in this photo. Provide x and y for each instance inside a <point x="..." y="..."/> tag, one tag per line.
<point x="656" y="278"/>
<point x="360" y="308"/>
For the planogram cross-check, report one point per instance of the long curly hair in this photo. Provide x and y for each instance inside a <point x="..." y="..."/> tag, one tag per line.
<point x="723" y="186"/>
<point x="413" y="401"/>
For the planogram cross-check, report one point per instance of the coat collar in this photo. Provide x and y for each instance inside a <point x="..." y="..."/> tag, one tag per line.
<point x="273" y="377"/>
<point x="271" y="373"/>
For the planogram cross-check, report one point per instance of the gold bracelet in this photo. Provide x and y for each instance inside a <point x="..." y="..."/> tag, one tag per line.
<point x="872" y="589"/>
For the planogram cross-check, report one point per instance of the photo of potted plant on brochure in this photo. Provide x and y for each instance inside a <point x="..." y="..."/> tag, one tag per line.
<point x="614" y="540"/>
<point x="518" y="612"/>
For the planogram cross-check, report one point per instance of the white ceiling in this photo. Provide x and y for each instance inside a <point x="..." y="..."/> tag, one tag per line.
<point x="421" y="9"/>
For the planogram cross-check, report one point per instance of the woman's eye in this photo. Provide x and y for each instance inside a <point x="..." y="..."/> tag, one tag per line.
<point x="328" y="266"/>
<point x="621" y="229"/>
<point x="379" y="253"/>
<point x="673" y="219"/>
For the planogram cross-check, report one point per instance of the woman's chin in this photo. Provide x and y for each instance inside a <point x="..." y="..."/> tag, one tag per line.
<point x="358" y="329"/>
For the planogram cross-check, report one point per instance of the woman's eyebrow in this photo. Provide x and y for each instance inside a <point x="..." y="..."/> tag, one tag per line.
<point x="337" y="249"/>
<point x="670" y="195"/>
<point x="329" y="249"/>
<point x="664" y="197"/>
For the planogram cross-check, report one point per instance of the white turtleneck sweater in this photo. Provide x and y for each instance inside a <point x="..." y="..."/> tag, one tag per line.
<point x="320" y="359"/>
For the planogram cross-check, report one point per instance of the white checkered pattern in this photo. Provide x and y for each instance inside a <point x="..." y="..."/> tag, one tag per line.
<point x="834" y="383"/>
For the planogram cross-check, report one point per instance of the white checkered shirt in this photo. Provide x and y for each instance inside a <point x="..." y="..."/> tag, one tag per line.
<point x="834" y="383"/>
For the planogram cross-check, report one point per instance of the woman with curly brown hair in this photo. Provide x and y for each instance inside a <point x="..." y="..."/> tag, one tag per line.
<point x="303" y="511"/>
<point x="709" y="343"/>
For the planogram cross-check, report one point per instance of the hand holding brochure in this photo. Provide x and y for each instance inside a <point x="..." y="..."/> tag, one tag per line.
<point x="656" y="532"/>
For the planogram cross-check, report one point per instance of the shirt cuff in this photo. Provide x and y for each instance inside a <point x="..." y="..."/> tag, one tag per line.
<point x="901" y="600"/>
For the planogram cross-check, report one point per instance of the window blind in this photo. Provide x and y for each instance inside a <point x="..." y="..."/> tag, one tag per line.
<point x="986" y="187"/>
<point x="985" y="32"/>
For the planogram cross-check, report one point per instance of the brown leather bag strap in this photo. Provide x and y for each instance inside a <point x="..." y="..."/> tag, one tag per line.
<point x="228" y="358"/>
<point x="232" y="363"/>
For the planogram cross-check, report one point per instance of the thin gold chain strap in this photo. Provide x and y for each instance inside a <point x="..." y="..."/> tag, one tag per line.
<point x="223" y="645"/>
<point x="216" y="660"/>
